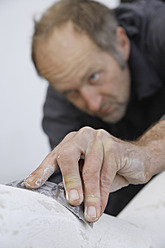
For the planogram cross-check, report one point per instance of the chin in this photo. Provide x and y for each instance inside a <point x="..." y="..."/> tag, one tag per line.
<point x="114" y="117"/>
<point x="111" y="120"/>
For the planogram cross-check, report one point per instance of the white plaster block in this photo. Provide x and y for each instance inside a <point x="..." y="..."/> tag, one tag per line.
<point x="32" y="220"/>
<point x="147" y="209"/>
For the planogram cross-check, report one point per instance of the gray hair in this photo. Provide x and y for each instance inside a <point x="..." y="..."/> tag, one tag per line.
<point x="90" y="17"/>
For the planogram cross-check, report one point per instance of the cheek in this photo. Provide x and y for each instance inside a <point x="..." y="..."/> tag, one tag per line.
<point x="108" y="89"/>
<point x="78" y="102"/>
<point x="115" y="87"/>
<point x="109" y="84"/>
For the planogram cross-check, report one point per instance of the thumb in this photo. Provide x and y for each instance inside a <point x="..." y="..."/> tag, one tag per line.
<point x="118" y="183"/>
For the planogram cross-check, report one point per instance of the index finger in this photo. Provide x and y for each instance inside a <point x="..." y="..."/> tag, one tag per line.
<point x="38" y="177"/>
<point x="49" y="165"/>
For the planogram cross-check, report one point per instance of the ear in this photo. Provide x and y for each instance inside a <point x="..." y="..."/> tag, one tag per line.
<point x="123" y="42"/>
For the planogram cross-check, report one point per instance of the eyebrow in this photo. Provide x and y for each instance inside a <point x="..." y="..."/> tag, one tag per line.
<point x="89" y="71"/>
<point x="86" y="74"/>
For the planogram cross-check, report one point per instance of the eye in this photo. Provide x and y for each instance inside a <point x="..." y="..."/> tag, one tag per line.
<point x="71" y="93"/>
<point x="94" y="77"/>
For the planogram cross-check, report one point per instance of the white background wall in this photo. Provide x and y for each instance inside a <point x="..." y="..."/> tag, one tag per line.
<point x="23" y="145"/>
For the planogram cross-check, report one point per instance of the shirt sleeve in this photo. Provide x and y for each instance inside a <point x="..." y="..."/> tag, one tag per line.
<point x="60" y="117"/>
<point x="162" y="118"/>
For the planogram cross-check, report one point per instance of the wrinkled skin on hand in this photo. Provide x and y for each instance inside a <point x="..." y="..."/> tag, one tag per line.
<point x="109" y="164"/>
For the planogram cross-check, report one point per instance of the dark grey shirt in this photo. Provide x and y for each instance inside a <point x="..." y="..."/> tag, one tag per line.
<point x="144" y="22"/>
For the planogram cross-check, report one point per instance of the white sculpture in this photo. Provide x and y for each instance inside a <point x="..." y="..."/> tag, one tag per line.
<point x="32" y="220"/>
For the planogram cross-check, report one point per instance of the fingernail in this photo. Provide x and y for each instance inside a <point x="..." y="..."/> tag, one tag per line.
<point x="73" y="195"/>
<point x="30" y="179"/>
<point x="90" y="212"/>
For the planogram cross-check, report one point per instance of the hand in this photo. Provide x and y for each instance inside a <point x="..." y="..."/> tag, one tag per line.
<point x="109" y="164"/>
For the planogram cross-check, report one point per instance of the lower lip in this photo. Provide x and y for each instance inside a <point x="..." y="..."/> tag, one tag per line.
<point x="106" y="110"/>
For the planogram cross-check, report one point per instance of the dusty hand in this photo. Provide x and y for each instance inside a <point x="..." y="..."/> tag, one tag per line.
<point x="109" y="164"/>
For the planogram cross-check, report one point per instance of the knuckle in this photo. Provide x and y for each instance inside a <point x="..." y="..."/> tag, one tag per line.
<point x="105" y="180"/>
<point x="105" y="183"/>
<point x="90" y="174"/>
<point x="69" y="135"/>
<point x="66" y="160"/>
<point x="65" y="154"/>
<point x="86" y="174"/>
<point x="92" y="198"/>
<point x="101" y="133"/>
<point x="71" y="181"/>
<point x="86" y="131"/>
<point x="51" y="155"/>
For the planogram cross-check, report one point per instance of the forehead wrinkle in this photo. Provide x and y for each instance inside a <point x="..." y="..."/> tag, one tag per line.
<point x="59" y="63"/>
<point x="67" y="50"/>
<point x="59" y="67"/>
<point x="73" y="71"/>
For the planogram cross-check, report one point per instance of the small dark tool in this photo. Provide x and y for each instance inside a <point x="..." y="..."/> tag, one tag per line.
<point x="56" y="192"/>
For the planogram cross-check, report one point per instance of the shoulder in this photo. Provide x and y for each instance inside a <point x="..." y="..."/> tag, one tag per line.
<point x="155" y="36"/>
<point x="144" y="22"/>
<point x="156" y="26"/>
<point x="142" y="17"/>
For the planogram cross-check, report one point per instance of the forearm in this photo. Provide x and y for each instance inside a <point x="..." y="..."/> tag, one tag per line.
<point x="153" y="143"/>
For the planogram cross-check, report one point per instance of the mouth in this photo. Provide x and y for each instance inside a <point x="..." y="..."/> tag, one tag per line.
<point x="105" y="111"/>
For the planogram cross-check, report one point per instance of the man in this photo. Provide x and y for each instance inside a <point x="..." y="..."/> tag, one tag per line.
<point x="107" y="84"/>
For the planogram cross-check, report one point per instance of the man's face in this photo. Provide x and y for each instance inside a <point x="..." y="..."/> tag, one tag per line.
<point x="89" y="78"/>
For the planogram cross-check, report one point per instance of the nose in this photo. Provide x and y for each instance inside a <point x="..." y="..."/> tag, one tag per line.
<point x="92" y="98"/>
